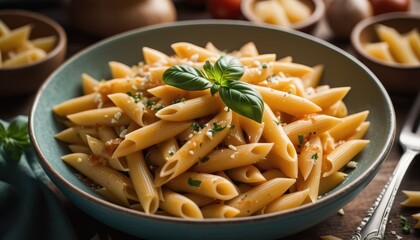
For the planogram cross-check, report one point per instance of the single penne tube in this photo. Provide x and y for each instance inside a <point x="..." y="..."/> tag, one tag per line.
<point x="233" y="157"/>
<point x="342" y="154"/>
<point x="380" y="51"/>
<point x="325" y="99"/>
<point x="168" y="92"/>
<point x="120" y="70"/>
<point x="70" y="135"/>
<point x="313" y="179"/>
<point x="129" y="106"/>
<point x="121" y="186"/>
<point x="300" y="129"/>
<point x="258" y="197"/>
<point x="111" y="116"/>
<point x="15" y="38"/>
<point x="125" y="85"/>
<point x="399" y="47"/>
<point x="179" y="205"/>
<point x="286" y="102"/>
<point x="309" y="154"/>
<point x="248" y="50"/>
<point x="283" y="149"/>
<point x="192" y="52"/>
<point x="198" y="146"/>
<point x="290" y="69"/>
<point x="413" y="199"/>
<point x="252" y="129"/>
<point x="219" y="211"/>
<point x="360" y="131"/>
<point x="77" y="104"/>
<point x="235" y="136"/>
<point x="149" y="135"/>
<point x="413" y="37"/>
<point x="246" y="174"/>
<point x="200" y="200"/>
<point x="287" y="201"/>
<point x="328" y="183"/>
<point x="143" y="182"/>
<point x="255" y="61"/>
<point x="255" y="75"/>
<point x="75" y="148"/>
<point x="205" y="184"/>
<point x="100" y="149"/>
<point x="313" y="78"/>
<point x="152" y="56"/>
<point x="90" y="84"/>
<point x="44" y="43"/>
<point x="25" y="57"/>
<point x="348" y="126"/>
<point x="190" y="109"/>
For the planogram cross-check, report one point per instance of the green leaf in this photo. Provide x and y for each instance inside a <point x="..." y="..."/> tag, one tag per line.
<point x="243" y="99"/>
<point x="228" y="68"/>
<point x="209" y="70"/>
<point x="193" y="182"/>
<point x="186" y="77"/>
<point x="14" y="140"/>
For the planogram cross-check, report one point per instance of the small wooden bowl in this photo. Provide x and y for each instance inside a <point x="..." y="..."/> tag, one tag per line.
<point x="308" y="26"/>
<point x="27" y="78"/>
<point x="395" y="77"/>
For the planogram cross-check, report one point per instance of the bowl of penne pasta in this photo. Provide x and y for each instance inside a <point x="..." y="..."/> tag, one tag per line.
<point x="218" y="129"/>
<point x="301" y="15"/>
<point x="389" y="44"/>
<point x="32" y="46"/>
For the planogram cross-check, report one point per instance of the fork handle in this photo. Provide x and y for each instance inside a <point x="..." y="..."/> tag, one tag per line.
<point x="374" y="224"/>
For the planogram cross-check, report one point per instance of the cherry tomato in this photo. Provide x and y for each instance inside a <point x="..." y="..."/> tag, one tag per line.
<point x="226" y="9"/>
<point x="384" y="6"/>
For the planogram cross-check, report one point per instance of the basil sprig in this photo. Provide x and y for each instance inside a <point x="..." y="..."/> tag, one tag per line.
<point x="222" y="78"/>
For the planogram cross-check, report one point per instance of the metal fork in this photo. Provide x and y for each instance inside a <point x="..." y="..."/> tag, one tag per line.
<point x="374" y="224"/>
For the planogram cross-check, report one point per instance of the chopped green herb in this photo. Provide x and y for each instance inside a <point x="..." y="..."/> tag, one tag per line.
<point x="195" y="127"/>
<point x="276" y="122"/>
<point x="205" y="159"/>
<point x="300" y="139"/>
<point x="171" y="154"/>
<point x="216" y="128"/>
<point x="149" y="104"/>
<point x="314" y="156"/>
<point x="135" y="96"/>
<point x="157" y="108"/>
<point x="194" y="183"/>
<point x="14" y="140"/>
<point x="404" y="225"/>
<point x="178" y="100"/>
<point x="264" y="65"/>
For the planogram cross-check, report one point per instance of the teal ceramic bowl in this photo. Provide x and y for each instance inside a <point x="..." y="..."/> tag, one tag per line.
<point x="341" y="70"/>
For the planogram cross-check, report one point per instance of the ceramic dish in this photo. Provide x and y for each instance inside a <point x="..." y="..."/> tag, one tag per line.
<point x="28" y="78"/>
<point x="395" y="77"/>
<point x="343" y="70"/>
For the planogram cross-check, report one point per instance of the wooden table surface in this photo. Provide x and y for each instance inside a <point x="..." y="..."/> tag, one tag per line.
<point x="338" y="225"/>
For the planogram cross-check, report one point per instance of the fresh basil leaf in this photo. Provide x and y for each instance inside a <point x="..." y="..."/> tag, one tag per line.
<point x="186" y="77"/>
<point x="2" y="132"/>
<point x="243" y="99"/>
<point x="214" y="89"/>
<point x="209" y="70"/>
<point x="12" y="150"/>
<point x="228" y="68"/>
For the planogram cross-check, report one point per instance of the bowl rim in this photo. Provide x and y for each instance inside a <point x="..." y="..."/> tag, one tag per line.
<point x="322" y="202"/>
<point x="61" y="35"/>
<point x="317" y="14"/>
<point x="362" y="25"/>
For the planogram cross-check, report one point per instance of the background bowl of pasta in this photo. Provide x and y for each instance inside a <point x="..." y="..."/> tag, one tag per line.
<point x="389" y="44"/>
<point x="301" y="15"/>
<point x="197" y="167"/>
<point x="32" y="46"/>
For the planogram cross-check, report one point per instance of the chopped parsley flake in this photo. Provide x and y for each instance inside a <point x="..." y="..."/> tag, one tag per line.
<point x="136" y="96"/>
<point x="404" y="225"/>
<point x="216" y="128"/>
<point x="157" y="108"/>
<point x="178" y="100"/>
<point x="276" y="122"/>
<point x="314" y="156"/>
<point x="205" y="159"/>
<point x="195" y="127"/>
<point x="171" y="154"/>
<point x="194" y="183"/>
<point x="264" y="65"/>
<point x="300" y="139"/>
<point x="150" y="104"/>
